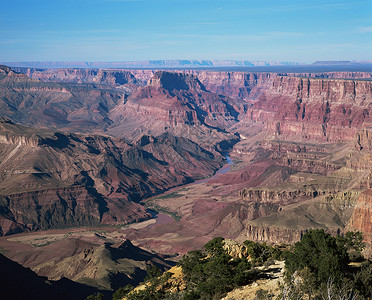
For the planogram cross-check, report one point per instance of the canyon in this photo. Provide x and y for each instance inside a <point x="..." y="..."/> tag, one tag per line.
<point x="54" y="179"/>
<point x="101" y="147"/>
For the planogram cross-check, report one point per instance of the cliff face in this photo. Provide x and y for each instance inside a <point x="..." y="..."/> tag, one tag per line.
<point x="322" y="107"/>
<point x="50" y="208"/>
<point x="101" y="76"/>
<point x="176" y="103"/>
<point x="52" y="179"/>
<point x="277" y="235"/>
<point x="314" y="108"/>
<point x="216" y="79"/>
<point x="360" y="158"/>
<point x="60" y="106"/>
<point x="170" y="102"/>
<point x="361" y="219"/>
<point x="334" y="75"/>
<point x="326" y="109"/>
<point x="239" y="85"/>
<point x="282" y="198"/>
<point x="170" y="119"/>
<point x="8" y="72"/>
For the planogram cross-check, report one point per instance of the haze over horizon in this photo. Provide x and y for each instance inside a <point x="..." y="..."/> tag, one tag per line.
<point x="133" y="30"/>
<point x="219" y="144"/>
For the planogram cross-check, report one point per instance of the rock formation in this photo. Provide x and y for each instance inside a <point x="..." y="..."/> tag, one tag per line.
<point x="314" y="108"/>
<point x="53" y="179"/>
<point x="175" y="103"/>
<point x="106" y="267"/>
<point x="362" y="216"/>
<point x="303" y="143"/>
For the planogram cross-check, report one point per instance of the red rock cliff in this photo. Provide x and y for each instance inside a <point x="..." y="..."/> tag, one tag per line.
<point x="325" y="109"/>
<point x="361" y="219"/>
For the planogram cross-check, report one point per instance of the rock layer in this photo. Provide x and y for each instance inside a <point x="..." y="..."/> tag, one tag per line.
<point x="54" y="179"/>
<point x="362" y="216"/>
<point x="304" y="139"/>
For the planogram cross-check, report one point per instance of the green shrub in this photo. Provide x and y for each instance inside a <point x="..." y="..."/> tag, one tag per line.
<point x="321" y="254"/>
<point x="96" y="296"/>
<point x="122" y="292"/>
<point x="363" y="280"/>
<point x="213" y="273"/>
<point x="260" y="253"/>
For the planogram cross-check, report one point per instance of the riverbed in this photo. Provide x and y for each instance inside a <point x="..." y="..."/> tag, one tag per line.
<point x="162" y="218"/>
<point x="226" y="168"/>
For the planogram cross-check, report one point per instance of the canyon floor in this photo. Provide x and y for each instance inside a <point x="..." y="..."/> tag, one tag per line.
<point x="128" y="168"/>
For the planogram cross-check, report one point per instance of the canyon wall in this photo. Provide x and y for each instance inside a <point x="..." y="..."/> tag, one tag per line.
<point x="325" y="109"/>
<point x="316" y="140"/>
<point x="98" y="76"/>
<point x="277" y="235"/>
<point x="320" y="107"/>
<point x="53" y="179"/>
<point x="236" y="84"/>
<point x="362" y="216"/>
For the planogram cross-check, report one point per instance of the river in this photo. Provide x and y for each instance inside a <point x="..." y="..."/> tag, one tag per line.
<point x="162" y="218"/>
<point x="226" y="168"/>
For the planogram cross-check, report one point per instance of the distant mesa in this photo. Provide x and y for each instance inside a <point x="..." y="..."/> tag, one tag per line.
<point x="149" y="64"/>
<point x="340" y="62"/>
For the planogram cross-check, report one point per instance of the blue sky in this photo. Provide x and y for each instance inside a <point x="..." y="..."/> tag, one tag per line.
<point x="130" y="30"/>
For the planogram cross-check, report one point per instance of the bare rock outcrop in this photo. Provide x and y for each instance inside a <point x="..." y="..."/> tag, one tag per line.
<point x="361" y="219"/>
<point x="234" y="249"/>
<point x="107" y="266"/>
<point x="108" y="77"/>
<point x="325" y="109"/>
<point x="176" y="103"/>
<point x="54" y="179"/>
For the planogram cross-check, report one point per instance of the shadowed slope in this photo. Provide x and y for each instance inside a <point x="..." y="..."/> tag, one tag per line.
<point x="53" y="179"/>
<point x="17" y="282"/>
<point x="175" y="103"/>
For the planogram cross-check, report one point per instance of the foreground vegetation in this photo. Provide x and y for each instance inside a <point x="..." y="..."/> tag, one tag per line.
<point x="317" y="267"/>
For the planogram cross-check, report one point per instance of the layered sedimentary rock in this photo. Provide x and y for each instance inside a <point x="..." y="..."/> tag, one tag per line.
<point x="176" y="103"/>
<point x="106" y="77"/>
<point x="277" y="190"/>
<point x="335" y="75"/>
<point x="235" y="84"/>
<point x="71" y="107"/>
<point x="322" y="108"/>
<point x="53" y="179"/>
<point x="170" y="102"/>
<point x="284" y="197"/>
<point x="362" y="216"/>
<point x="314" y="108"/>
<point x="278" y="235"/>
<point x="287" y="173"/>
<point x="238" y="85"/>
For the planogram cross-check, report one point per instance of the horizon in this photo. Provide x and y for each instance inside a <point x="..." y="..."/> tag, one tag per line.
<point x="345" y="61"/>
<point x="220" y="66"/>
<point x="141" y="30"/>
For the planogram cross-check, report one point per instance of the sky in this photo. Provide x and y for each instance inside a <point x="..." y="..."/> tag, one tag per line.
<point x="133" y="30"/>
